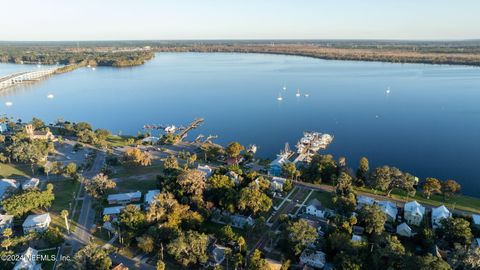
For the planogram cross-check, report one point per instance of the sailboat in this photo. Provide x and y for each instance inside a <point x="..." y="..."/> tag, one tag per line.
<point x="298" y="93"/>
<point x="388" y="90"/>
<point x="284" y="87"/>
<point x="279" y="98"/>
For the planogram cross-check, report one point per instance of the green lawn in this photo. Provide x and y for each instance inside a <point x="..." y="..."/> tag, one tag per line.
<point x="130" y="185"/>
<point x="14" y="170"/>
<point x="63" y="191"/>
<point x="324" y="197"/>
<point x="460" y="202"/>
<point x="116" y="140"/>
<point x="121" y="171"/>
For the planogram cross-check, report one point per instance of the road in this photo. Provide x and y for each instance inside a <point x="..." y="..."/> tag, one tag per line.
<point x="81" y="235"/>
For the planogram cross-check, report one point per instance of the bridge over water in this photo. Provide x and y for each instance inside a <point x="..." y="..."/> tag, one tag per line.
<point x="21" y="77"/>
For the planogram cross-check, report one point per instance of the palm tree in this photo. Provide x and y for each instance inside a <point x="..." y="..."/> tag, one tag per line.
<point x="64" y="214"/>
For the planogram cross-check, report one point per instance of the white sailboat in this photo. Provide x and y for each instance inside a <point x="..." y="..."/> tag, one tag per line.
<point x="388" y="90"/>
<point x="298" y="93"/>
<point x="279" y="98"/>
<point x="50" y="96"/>
<point x="8" y="103"/>
<point x="284" y="87"/>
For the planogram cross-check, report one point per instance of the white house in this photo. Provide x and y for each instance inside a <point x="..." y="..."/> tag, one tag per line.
<point x="413" y="213"/>
<point x="239" y="221"/>
<point x="124" y="198"/>
<point x="390" y="209"/>
<point x="32" y="183"/>
<point x="404" y="230"/>
<point x="5" y="222"/>
<point x="3" y="127"/>
<point x="28" y="261"/>
<point x="364" y="200"/>
<point x="312" y="258"/>
<point x="206" y="170"/>
<point x="314" y="208"/>
<point x="7" y="185"/>
<point x="438" y="214"/>
<point x="476" y="220"/>
<point x="150" y="139"/>
<point x="217" y="255"/>
<point x="36" y="223"/>
<point x="150" y="195"/>
<point x="277" y="183"/>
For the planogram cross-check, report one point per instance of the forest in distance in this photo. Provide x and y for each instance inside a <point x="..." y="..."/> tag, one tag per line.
<point x="131" y="53"/>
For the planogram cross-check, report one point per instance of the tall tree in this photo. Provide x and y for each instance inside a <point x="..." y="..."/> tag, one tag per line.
<point x="189" y="248"/>
<point x="449" y="188"/>
<point x="457" y="230"/>
<point x="431" y="186"/>
<point x="373" y="219"/>
<point x="98" y="185"/>
<point x="234" y="149"/>
<point x="300" y="235"/>
<point x="362" y="171"/>
<point x="92" y="257"/>
<point x="253" y="200"/>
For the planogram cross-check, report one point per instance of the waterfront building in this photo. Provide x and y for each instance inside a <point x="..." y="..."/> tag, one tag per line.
<point x="36" y="223"/>
<point x="438" y="214"/>
<point x="314" y="208"/>
<point x="124" y="198"/>
<point x="413" y="213"/>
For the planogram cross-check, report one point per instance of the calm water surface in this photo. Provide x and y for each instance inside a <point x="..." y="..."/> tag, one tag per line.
<point x="428" y="125"/>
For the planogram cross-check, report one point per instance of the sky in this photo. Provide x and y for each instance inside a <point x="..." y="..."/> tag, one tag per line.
<point x="242" y="19"/>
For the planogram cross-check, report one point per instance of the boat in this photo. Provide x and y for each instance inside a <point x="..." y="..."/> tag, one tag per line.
<point x="284" y="87"/>
<point x="170" y="129"/>
<point x="88" y="66"/>
<point x="307" y="95"/>
<point x="280" y="98"/>
<point x="298" y="93"/>
<point x="93" y="68"/>
<point x="8" y="103"/>
<point x="388" y="90"/>
<point x="50" y="96"/>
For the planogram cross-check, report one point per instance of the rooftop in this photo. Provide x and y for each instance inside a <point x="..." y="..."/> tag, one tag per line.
<point x="125" y="196"/>
<point x="33" y="220"/>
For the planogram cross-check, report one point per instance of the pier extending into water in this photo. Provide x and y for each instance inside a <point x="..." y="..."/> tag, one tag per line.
<point x="22" y="77"/>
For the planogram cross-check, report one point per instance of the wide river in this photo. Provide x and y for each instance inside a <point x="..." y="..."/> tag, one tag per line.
<point x="428" y="124"/>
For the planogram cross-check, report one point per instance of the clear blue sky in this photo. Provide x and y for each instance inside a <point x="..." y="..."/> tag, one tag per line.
<point x="241" y="19"/>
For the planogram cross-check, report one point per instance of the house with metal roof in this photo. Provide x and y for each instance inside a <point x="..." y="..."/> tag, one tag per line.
<point x="390" y="209"/>
<point x="314" y="208"/>
<point x="28" y="260"/>
<point x="438" y="214"/>
<point x="124" y="198"/>
<point x="413" y="213"/>
<point x="7" y="186"/>
<point x="36" y="223"/>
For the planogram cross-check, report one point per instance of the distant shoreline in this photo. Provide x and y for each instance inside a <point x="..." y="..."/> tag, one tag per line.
<point x="345" y="54"/>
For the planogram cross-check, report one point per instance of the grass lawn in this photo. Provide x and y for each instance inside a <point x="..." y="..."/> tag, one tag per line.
<point x="14" y="170"/>
<point x="63" y="191"/>
<point x="277" y="201"/>
<point x="305" y="193"/>
<point x="116" y="140"/>
<point x="293" y="192"/>
<point x="324" y="197"/>
<point x="131" y="185"/>
<point x="122" y="171"/>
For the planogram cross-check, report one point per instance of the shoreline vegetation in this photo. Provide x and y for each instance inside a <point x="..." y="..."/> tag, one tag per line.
<point x="134" y="53"/>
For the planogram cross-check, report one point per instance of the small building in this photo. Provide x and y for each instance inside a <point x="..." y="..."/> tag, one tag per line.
<point x="5" y="222"/>
<point x="277" y="184"/>
<point x="239" y="221"/>
<point x="357" y="238"/>
<point x="36" y="223"/>
<point x="312" y="258"/>
<point x="38" y="134"/>
<point x="275" y="167"/>
<point x="438" y="214"/>
<point x="124" y="198"/>
<point x="272" y="264"/>
<point x="32" y="183"/>
<point x="28" y="260"/>
<point x="3" y="127"/>
<point x="150" y="195"/>
<point x="390" y="209"/>
<point x="206" y="170"/>
<point x="404" y="230"/>
<point x="217" y="255"/>
<point x="7" y="186"/>
<point x="150" y="140"/>
<point x="314" y="208"/>
<point x="365" y="200"/>
<point x="476" y="221"/>
<point x="413" y="213"/>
